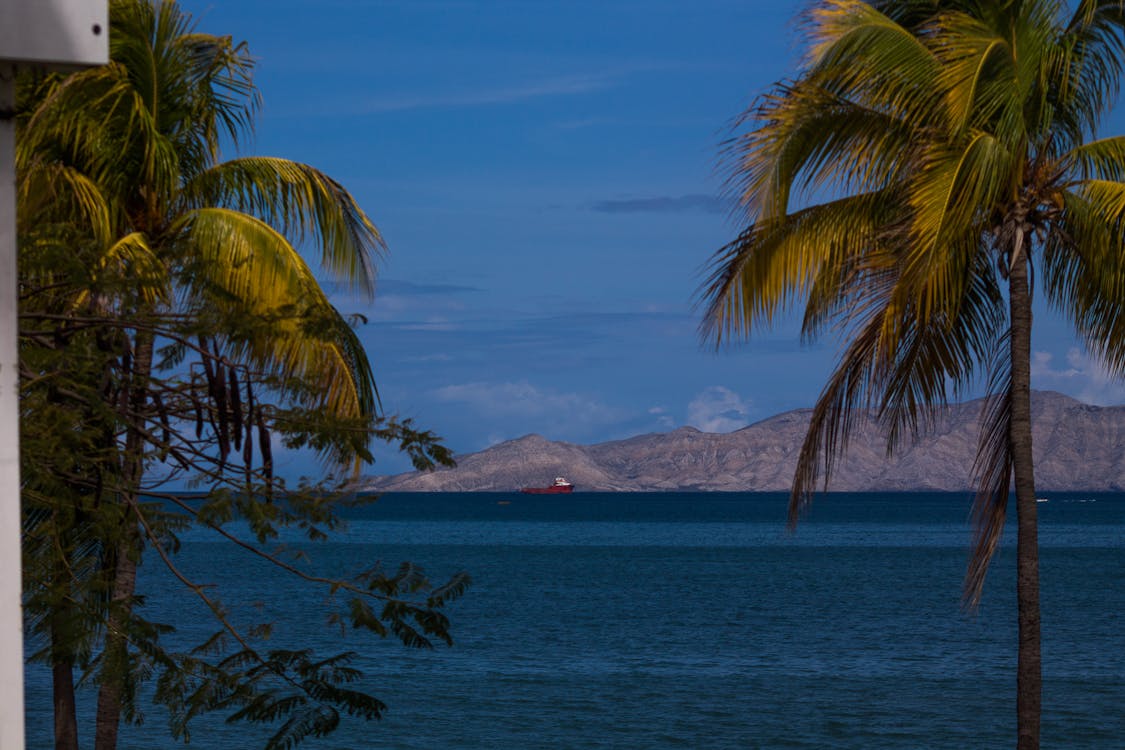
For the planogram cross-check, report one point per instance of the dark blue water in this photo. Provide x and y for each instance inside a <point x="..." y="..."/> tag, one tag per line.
<point x="694" y="621"/>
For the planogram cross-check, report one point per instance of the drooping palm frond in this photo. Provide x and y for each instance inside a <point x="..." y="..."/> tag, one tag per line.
<point x="1084" y="267"/>
<point x="1103" y="159"/>
<point x="1106" y="198"/>
<point x="842" y="402"/>
<point x="809" y="140"/>
<point x="947" y="193"/>
<point x="831" y="129"/>
<point x="860" y="49"/>
<point x="99" y="124"/>
<point x="127" y="269"/>
<point x="993" y="469"/>
<point x="54" y="191"/>
<point x="1087" y="67"/>
<point x="771" y="265"/>
<point x="238" y="260"/>
<point x="896" y="366"/>
<point x="979" y="77"/>
<point x="298" y="201"/>
<point x="936" y="357"/>
<point x="228" y="252"/>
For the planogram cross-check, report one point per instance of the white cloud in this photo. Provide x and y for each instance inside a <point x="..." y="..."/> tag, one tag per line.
<point x="1083" y="377"/>
<point x="663" y="419"/>
<point x="1041" y="367"/>
<point x="719" y="409"/>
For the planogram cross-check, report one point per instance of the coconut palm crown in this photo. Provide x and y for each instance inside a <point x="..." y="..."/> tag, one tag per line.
<point x="133" y="149"/>
<point x="905" y="185"/>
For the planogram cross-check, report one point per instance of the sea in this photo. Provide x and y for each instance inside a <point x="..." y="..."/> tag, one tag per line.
<point x="684" y="620"/>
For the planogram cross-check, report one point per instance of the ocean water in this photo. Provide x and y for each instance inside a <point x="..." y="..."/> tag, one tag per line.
<point x="690" y="621"/>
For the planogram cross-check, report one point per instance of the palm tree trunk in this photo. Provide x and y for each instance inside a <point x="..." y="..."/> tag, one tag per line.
<point x="108" y="719"/>
<point x="126" y="556"/>
<point x="62" y="656"/>
<point x="1029" y="679"/>
<point x="62" y="687"/>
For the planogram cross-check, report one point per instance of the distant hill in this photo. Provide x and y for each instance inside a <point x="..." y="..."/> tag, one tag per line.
<point x="1077" y="447"/>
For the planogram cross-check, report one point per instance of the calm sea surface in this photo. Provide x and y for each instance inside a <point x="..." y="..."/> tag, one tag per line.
<point x="691" y="621"/>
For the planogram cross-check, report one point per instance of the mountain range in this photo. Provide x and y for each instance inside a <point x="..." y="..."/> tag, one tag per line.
<point x="1077" y="447"/>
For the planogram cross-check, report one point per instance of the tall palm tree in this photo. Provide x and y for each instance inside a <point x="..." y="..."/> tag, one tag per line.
<point x="904" y="184"/>
<point x="155" y="225"/>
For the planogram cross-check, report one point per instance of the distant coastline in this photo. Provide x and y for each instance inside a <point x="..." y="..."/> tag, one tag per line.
<point x="1078" y="448"/>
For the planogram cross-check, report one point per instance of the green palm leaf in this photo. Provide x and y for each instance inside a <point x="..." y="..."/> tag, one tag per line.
<point x="299" y="201"/>
<point x="242" y="262"/>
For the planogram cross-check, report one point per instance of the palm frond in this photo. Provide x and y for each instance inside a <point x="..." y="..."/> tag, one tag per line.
<point x="771" y="264"/>
<point x="841" y="126"/>
<point x="803" y="140"/>
<point x="197" y="87"/>
<point x="977" y="75"/>
<point x="1087" y="66"/>
<point x="1103" y="159"/>
<point x="1105" y="197"/>
<point x="844" y="399"/>
<point x="50" y="190"/>
<point x="897" y="366"/>
<point x="993" y="469"/>
<point x="128" y="268"/>
<point x="298" y="201"/>
<point x="241" y="255"/>
<point x="859" y="48"/>
<point x="936" y="356"/>
<point x="98" y="122"/>
<point x="954" y="188"/>
<point x="240" y="262"/>
<point x="1084" y="267"/>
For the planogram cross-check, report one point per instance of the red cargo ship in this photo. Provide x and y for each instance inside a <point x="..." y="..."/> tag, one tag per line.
<point x="559" y="486"/>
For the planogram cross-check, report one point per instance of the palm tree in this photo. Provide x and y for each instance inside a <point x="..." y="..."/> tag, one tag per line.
<point x="129" y="215"/>
<point x="904" y="184"/>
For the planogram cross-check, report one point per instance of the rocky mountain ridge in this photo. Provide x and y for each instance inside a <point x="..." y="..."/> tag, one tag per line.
<point x="1077" y="447"/>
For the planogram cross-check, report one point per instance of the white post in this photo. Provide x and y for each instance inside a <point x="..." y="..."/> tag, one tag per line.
<point x="11" y="578"/>
<point x="44" y="35"/>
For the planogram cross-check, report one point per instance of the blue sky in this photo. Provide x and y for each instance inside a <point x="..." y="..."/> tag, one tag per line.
<point x="546" y="175"/>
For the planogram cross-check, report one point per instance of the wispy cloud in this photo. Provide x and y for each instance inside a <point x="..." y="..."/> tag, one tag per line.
<point x="711" y="204"/>
<point x="662" y="417"/>
<point x="583" y="122"/>
<point x="1042" y="367"/>
<point x="435" y="323"/>
<point x="1083" y="377"/>
<point x="719" y="409"/>
<point x="516" y="398"/>
<point x="440" y="357"/>
<point x="395" y="286"/>
<point x="522" y="399"/>
<point x="419" y="306"/>
<point x="569" y="85"/>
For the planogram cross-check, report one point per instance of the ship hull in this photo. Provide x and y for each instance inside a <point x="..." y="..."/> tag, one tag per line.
<point x="547" y="490"/>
